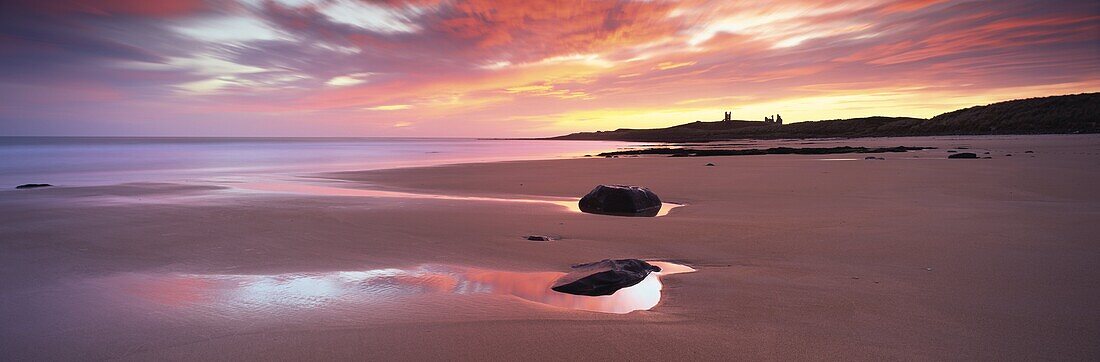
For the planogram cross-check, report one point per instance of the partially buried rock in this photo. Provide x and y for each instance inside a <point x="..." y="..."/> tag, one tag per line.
<point x="32" y="186"/>
<point x="963" y="155"/>
<point x="621" y="200"/>
<point x="539" y="238"/>
<point x="710" y="164"/>
<point x="604" y="277"/>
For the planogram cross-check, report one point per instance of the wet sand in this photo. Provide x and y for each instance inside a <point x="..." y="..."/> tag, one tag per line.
<point x="797" y="257"/>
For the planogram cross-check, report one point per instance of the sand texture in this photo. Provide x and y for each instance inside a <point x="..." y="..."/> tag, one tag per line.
<point x="915" y="257"/>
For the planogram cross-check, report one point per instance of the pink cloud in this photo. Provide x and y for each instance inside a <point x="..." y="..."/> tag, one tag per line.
<point x="504" y="67"/>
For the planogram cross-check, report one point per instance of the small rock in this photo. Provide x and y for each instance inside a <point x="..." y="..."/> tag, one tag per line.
<point x="710" y="164"/>
<point x="1008" y="155"/>
<point x="963" y="155"/>
<point x="32" y="186"/>
<point x="539" y="238"/>
<point x="1029" y="151"/>
<point x="951" y="151"/>
<point x="928" y="269"/>
<point x="987" y="157"/>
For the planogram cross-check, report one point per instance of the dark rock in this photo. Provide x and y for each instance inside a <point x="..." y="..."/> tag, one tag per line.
<point x="604" y="277"/>
<point x="987" y="157"/>
<point x="986" y="153"/>
<point x="1008" y="155"/>
<point x="870" y="158"/>
<point x="688" y="152"/>
<point x="621" y="200"/>
<point x="32" y="186"/>
<point x="710" y="164"/>
<point x="963" y="155"/>
<point x="951" y="151"/>
<point x="539" y="238"/>
<point x="1029" y="151"/>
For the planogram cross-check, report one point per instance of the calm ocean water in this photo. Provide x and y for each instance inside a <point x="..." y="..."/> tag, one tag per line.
<point x="78" y="161"/>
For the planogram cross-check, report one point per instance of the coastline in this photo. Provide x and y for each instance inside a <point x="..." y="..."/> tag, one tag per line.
<point x="797" y="257"/>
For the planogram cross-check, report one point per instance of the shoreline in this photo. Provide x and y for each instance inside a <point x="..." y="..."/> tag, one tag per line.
<point x="796" y="258"/>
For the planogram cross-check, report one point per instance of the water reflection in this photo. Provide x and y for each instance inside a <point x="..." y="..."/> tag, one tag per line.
<point x="316" y="189"/>
<point x="257" y="295"/>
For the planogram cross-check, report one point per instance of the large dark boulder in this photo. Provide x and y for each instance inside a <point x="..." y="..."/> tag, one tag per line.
<point x="621" y="200"/>
<point x="963" y="155"/>
<point x="604" y="277"/>
<point x="32" y="186"/>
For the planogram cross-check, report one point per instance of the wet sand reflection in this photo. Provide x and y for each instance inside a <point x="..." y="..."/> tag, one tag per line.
<point x="316" y="189"/>
<point x="258" y="295"/>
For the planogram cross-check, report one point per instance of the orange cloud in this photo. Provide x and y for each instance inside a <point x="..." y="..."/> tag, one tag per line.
<point x="510" y="67"/>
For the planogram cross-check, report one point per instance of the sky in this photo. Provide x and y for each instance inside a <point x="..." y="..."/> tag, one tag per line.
<point x="481" y="68"/>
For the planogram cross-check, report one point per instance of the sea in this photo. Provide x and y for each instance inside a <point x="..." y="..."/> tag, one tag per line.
<point x="92" y="161"/>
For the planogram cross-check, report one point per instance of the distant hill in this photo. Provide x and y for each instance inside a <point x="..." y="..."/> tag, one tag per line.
<point x="1078" y="113"/>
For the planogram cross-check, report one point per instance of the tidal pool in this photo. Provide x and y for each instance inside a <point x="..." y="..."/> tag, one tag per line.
<point x="244" y="296"/>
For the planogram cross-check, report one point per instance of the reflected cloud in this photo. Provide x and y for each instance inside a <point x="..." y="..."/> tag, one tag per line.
<point x="570" y="204"/>
<point x="272" y="295"/>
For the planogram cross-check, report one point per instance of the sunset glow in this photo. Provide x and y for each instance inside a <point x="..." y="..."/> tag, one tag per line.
<point x="520" y="68"/>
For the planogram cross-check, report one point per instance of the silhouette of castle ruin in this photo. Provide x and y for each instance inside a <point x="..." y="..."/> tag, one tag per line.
<point x="777" y="120"/>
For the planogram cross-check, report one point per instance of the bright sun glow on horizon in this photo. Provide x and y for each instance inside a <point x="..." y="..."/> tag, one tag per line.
<point x="521" y="68"/>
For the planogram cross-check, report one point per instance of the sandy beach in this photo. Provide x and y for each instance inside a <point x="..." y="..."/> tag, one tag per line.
<point x="831" y="257"/>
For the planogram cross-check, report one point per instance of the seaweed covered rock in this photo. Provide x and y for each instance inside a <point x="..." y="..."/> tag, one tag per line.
<point x="963" y="155"/>
<point x="621" y="200"/>
<point x="604" y="277"/>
